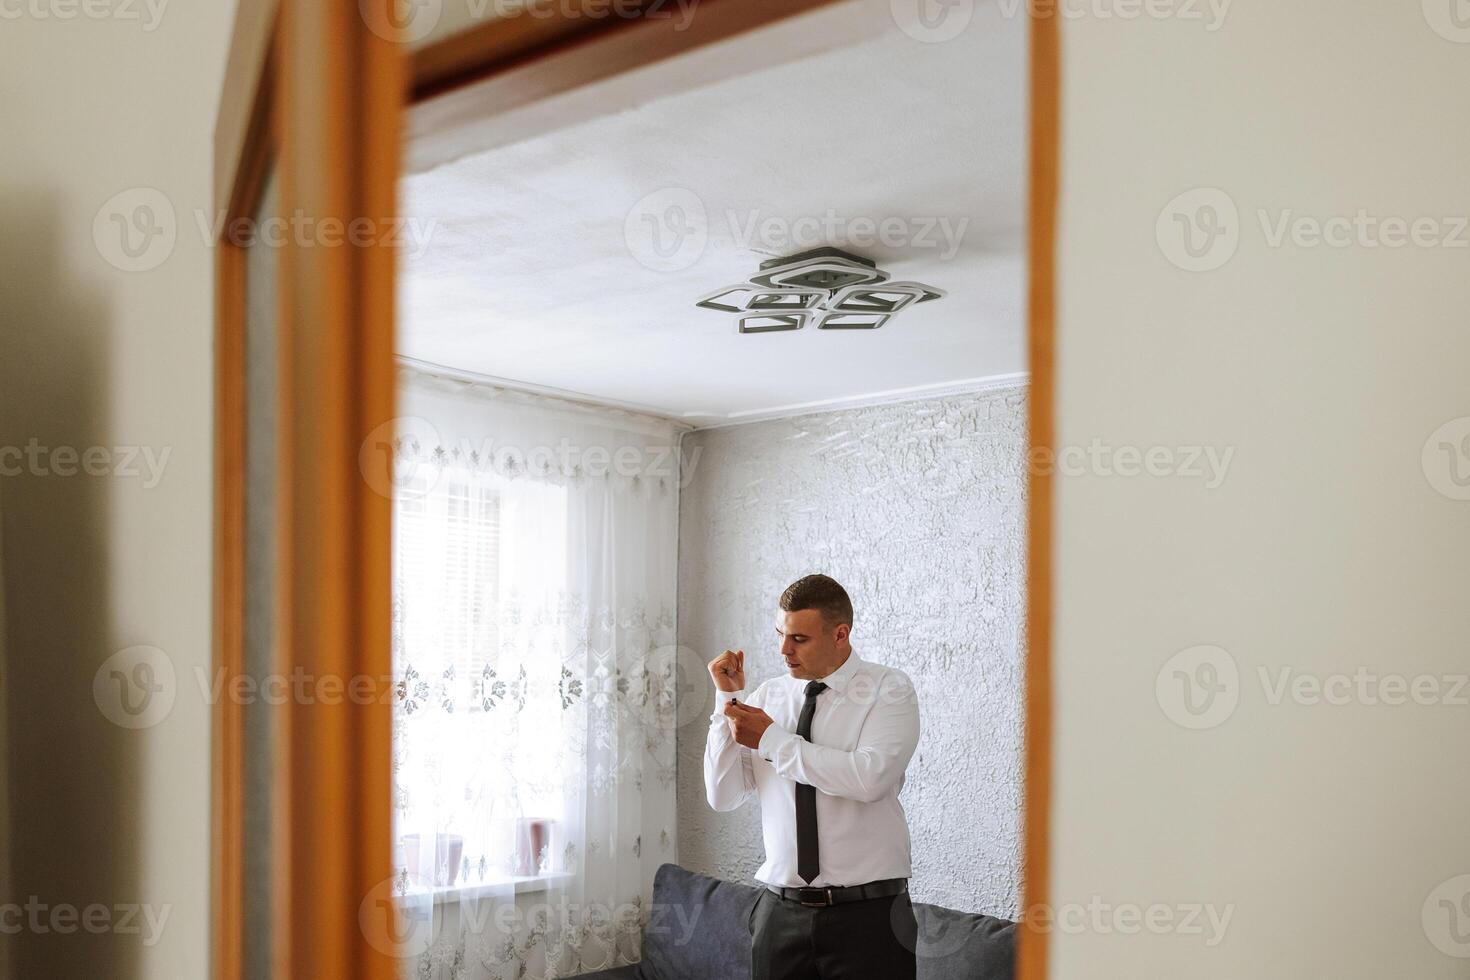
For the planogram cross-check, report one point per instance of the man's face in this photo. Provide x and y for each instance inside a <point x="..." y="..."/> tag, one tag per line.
<point x="810" y="647"/>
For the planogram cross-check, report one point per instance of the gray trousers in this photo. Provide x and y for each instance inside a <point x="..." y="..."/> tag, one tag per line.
<point x="869" y="940"/>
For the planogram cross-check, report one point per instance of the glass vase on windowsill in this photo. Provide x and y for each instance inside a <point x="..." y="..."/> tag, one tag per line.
<point x="448" y="854"/>
<point x="532" y="847"/>
<point x="525" y="867"/>
<point x="524" y="843"/>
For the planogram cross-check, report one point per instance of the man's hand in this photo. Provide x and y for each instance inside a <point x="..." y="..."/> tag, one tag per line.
<point x="748" y="723"/>
<point x="728" y="670"/>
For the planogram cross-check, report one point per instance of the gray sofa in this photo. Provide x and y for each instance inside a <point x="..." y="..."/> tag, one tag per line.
<point x="699" y="930"/>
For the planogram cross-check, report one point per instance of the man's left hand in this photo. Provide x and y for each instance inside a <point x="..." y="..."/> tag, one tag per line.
<point x="748" y="724"/>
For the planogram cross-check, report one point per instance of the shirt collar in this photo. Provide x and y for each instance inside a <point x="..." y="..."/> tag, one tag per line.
<point x="837" y="680"/>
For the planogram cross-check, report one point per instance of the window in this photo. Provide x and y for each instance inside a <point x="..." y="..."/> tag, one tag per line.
<point x="479" y="577"/>
<point x="446" y="553"/>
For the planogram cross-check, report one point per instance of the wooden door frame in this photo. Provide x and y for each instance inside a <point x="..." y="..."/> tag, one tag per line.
<point x="278" y="47"/>
<point x="247" y="140"/>
<point x="1041" y="236"/>
<point x="314" y="95"/>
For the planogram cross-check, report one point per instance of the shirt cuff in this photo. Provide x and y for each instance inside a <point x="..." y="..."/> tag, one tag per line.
<point x="723" y="698"/>
<point x="774" y="737"/>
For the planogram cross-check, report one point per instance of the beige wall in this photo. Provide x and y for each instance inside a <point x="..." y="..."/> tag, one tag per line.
<point x="93" y="356"/>
<point x="1322" y="829"/>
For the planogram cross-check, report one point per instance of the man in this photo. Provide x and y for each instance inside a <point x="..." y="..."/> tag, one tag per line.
<point x="824" y="747"/>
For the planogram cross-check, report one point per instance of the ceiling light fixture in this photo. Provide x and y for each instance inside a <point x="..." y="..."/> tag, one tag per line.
<point x="837" y="289"/>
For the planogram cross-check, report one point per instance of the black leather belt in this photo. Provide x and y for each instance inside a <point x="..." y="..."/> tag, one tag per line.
<point x="822" y="897"/>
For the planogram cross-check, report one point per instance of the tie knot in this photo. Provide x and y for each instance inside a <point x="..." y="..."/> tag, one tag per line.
<point x="815" y="688"/>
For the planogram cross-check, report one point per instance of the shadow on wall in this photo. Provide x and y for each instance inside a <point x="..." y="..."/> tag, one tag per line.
<point x="75" y="779"/>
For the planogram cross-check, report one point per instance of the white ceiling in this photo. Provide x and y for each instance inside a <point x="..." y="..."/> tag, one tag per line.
<point x="531" y="270"/>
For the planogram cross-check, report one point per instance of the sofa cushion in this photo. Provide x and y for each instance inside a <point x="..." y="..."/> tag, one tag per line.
<point x="963" y="945"/>
<point x="698" y="928"/>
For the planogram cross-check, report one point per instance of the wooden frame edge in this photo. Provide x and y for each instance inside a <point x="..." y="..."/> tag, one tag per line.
<point x="337" y="299"/>
<point x="342" y="97"/>
<point x="227" y="770"/>
<point x="498" y="46"/>
<point x="248" y="67"/>
<point x="1034" y="952"/>
<point x="246" y="143"/>
<point x="494" y="45"/>
<point x="227" y="941"/>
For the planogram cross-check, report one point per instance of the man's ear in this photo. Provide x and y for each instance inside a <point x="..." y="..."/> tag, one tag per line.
<point x="841" y="632"/>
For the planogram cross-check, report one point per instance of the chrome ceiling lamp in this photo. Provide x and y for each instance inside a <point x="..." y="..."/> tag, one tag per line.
<point x="836" y="289"/>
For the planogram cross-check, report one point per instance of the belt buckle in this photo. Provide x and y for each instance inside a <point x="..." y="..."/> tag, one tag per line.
<point x="822" y="900"/>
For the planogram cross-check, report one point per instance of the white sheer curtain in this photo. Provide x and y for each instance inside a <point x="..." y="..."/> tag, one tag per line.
<point x="534" y="598"/>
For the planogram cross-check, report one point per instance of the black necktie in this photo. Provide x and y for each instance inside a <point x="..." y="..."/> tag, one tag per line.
<point x="808" y="862"/>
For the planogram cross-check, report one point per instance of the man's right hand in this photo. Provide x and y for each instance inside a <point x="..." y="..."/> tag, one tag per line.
<point x="728" y="670"/>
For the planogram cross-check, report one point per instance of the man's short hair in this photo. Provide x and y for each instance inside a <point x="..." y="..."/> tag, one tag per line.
<point x="822" y="594"/>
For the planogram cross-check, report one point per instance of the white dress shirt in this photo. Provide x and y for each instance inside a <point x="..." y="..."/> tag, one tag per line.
<point x="864" y="732"/>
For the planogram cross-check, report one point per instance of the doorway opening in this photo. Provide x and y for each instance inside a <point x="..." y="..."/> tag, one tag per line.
<point x="671" y="336"/>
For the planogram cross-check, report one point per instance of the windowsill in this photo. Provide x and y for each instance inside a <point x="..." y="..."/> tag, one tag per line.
<point x="521" y="884"/>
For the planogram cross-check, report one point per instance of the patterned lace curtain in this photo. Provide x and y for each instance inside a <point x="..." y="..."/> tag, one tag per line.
<point x="533" y="635"/>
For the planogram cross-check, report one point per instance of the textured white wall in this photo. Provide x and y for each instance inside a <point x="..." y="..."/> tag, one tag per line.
<point x="917" y="509"/>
